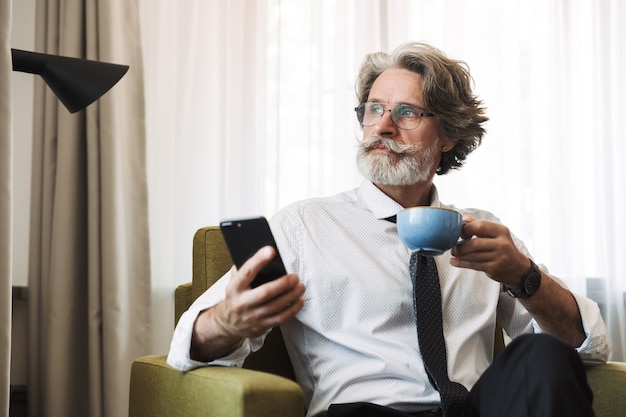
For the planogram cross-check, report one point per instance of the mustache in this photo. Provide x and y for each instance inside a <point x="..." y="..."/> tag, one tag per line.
<point x="391" y="145"/>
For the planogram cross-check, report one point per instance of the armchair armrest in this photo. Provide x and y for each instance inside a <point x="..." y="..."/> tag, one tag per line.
<point x="158" y="390"/>
<point x="183" y="298"/>
<point x="608" y="383"/>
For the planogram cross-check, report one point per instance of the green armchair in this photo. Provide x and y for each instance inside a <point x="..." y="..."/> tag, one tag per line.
<point x="265" y="387"/>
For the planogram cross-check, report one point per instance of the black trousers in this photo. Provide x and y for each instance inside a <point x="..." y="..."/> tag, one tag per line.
<point x="535" y="376"/>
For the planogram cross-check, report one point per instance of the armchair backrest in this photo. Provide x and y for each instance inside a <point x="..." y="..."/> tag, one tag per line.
<point x="211" y="260"/>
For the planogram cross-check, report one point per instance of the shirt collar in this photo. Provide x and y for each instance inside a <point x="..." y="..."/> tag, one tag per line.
<point x="381" y="205"/>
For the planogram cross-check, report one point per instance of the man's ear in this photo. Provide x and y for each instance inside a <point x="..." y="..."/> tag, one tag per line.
<point x="448" y="146"/>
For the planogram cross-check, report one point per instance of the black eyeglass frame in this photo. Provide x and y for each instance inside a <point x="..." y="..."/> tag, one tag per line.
<point x="360" y="114"/>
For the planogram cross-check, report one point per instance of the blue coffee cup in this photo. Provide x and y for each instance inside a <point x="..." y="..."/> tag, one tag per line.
<point x="430" y="230"/>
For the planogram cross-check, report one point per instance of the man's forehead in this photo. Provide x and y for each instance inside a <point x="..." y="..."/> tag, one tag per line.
<point x="397" y="86"/>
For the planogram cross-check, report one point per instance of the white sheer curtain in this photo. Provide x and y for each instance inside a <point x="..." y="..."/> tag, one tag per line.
<point x="250" y="108"/>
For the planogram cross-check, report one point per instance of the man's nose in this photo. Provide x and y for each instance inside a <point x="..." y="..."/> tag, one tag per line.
<point x="385" y="125"/>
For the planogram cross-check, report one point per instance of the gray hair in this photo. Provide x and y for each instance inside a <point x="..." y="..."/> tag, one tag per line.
<point x="447" y="92"/>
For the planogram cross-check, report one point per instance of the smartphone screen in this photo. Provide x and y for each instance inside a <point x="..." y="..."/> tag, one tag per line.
<point x="244" y="237"/>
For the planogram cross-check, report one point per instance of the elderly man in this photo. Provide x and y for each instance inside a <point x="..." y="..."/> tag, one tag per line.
<point x="350" y="305"/>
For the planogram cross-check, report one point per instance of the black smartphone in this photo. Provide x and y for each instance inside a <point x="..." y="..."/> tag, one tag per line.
<point x="244" y="237"/>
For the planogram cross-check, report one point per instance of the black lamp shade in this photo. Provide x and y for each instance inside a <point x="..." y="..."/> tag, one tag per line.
<point x="76" y="82"/>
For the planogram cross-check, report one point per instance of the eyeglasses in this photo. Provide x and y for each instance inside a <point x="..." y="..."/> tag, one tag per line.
<point x="404" y="116"/>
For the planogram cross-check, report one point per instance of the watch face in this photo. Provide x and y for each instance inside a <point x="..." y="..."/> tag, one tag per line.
<point x="532" y="281"/>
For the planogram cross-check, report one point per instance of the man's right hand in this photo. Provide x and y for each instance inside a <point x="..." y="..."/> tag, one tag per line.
<point x="245" y="312"/>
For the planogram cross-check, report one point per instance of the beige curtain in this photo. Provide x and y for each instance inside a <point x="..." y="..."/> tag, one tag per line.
<point x="89" y="274"/>
<point x="6" y="155"/>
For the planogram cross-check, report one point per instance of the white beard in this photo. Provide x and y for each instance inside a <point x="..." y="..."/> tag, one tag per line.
<point x="406" y="165"/>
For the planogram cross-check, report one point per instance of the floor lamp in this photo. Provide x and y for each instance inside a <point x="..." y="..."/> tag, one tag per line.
<point x="77" y="83"/>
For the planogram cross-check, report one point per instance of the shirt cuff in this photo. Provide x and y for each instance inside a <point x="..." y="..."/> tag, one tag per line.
<point x="596" y="347"/>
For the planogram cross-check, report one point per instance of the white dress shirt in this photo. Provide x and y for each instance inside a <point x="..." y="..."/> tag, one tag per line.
<point x="356" y="339"/>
